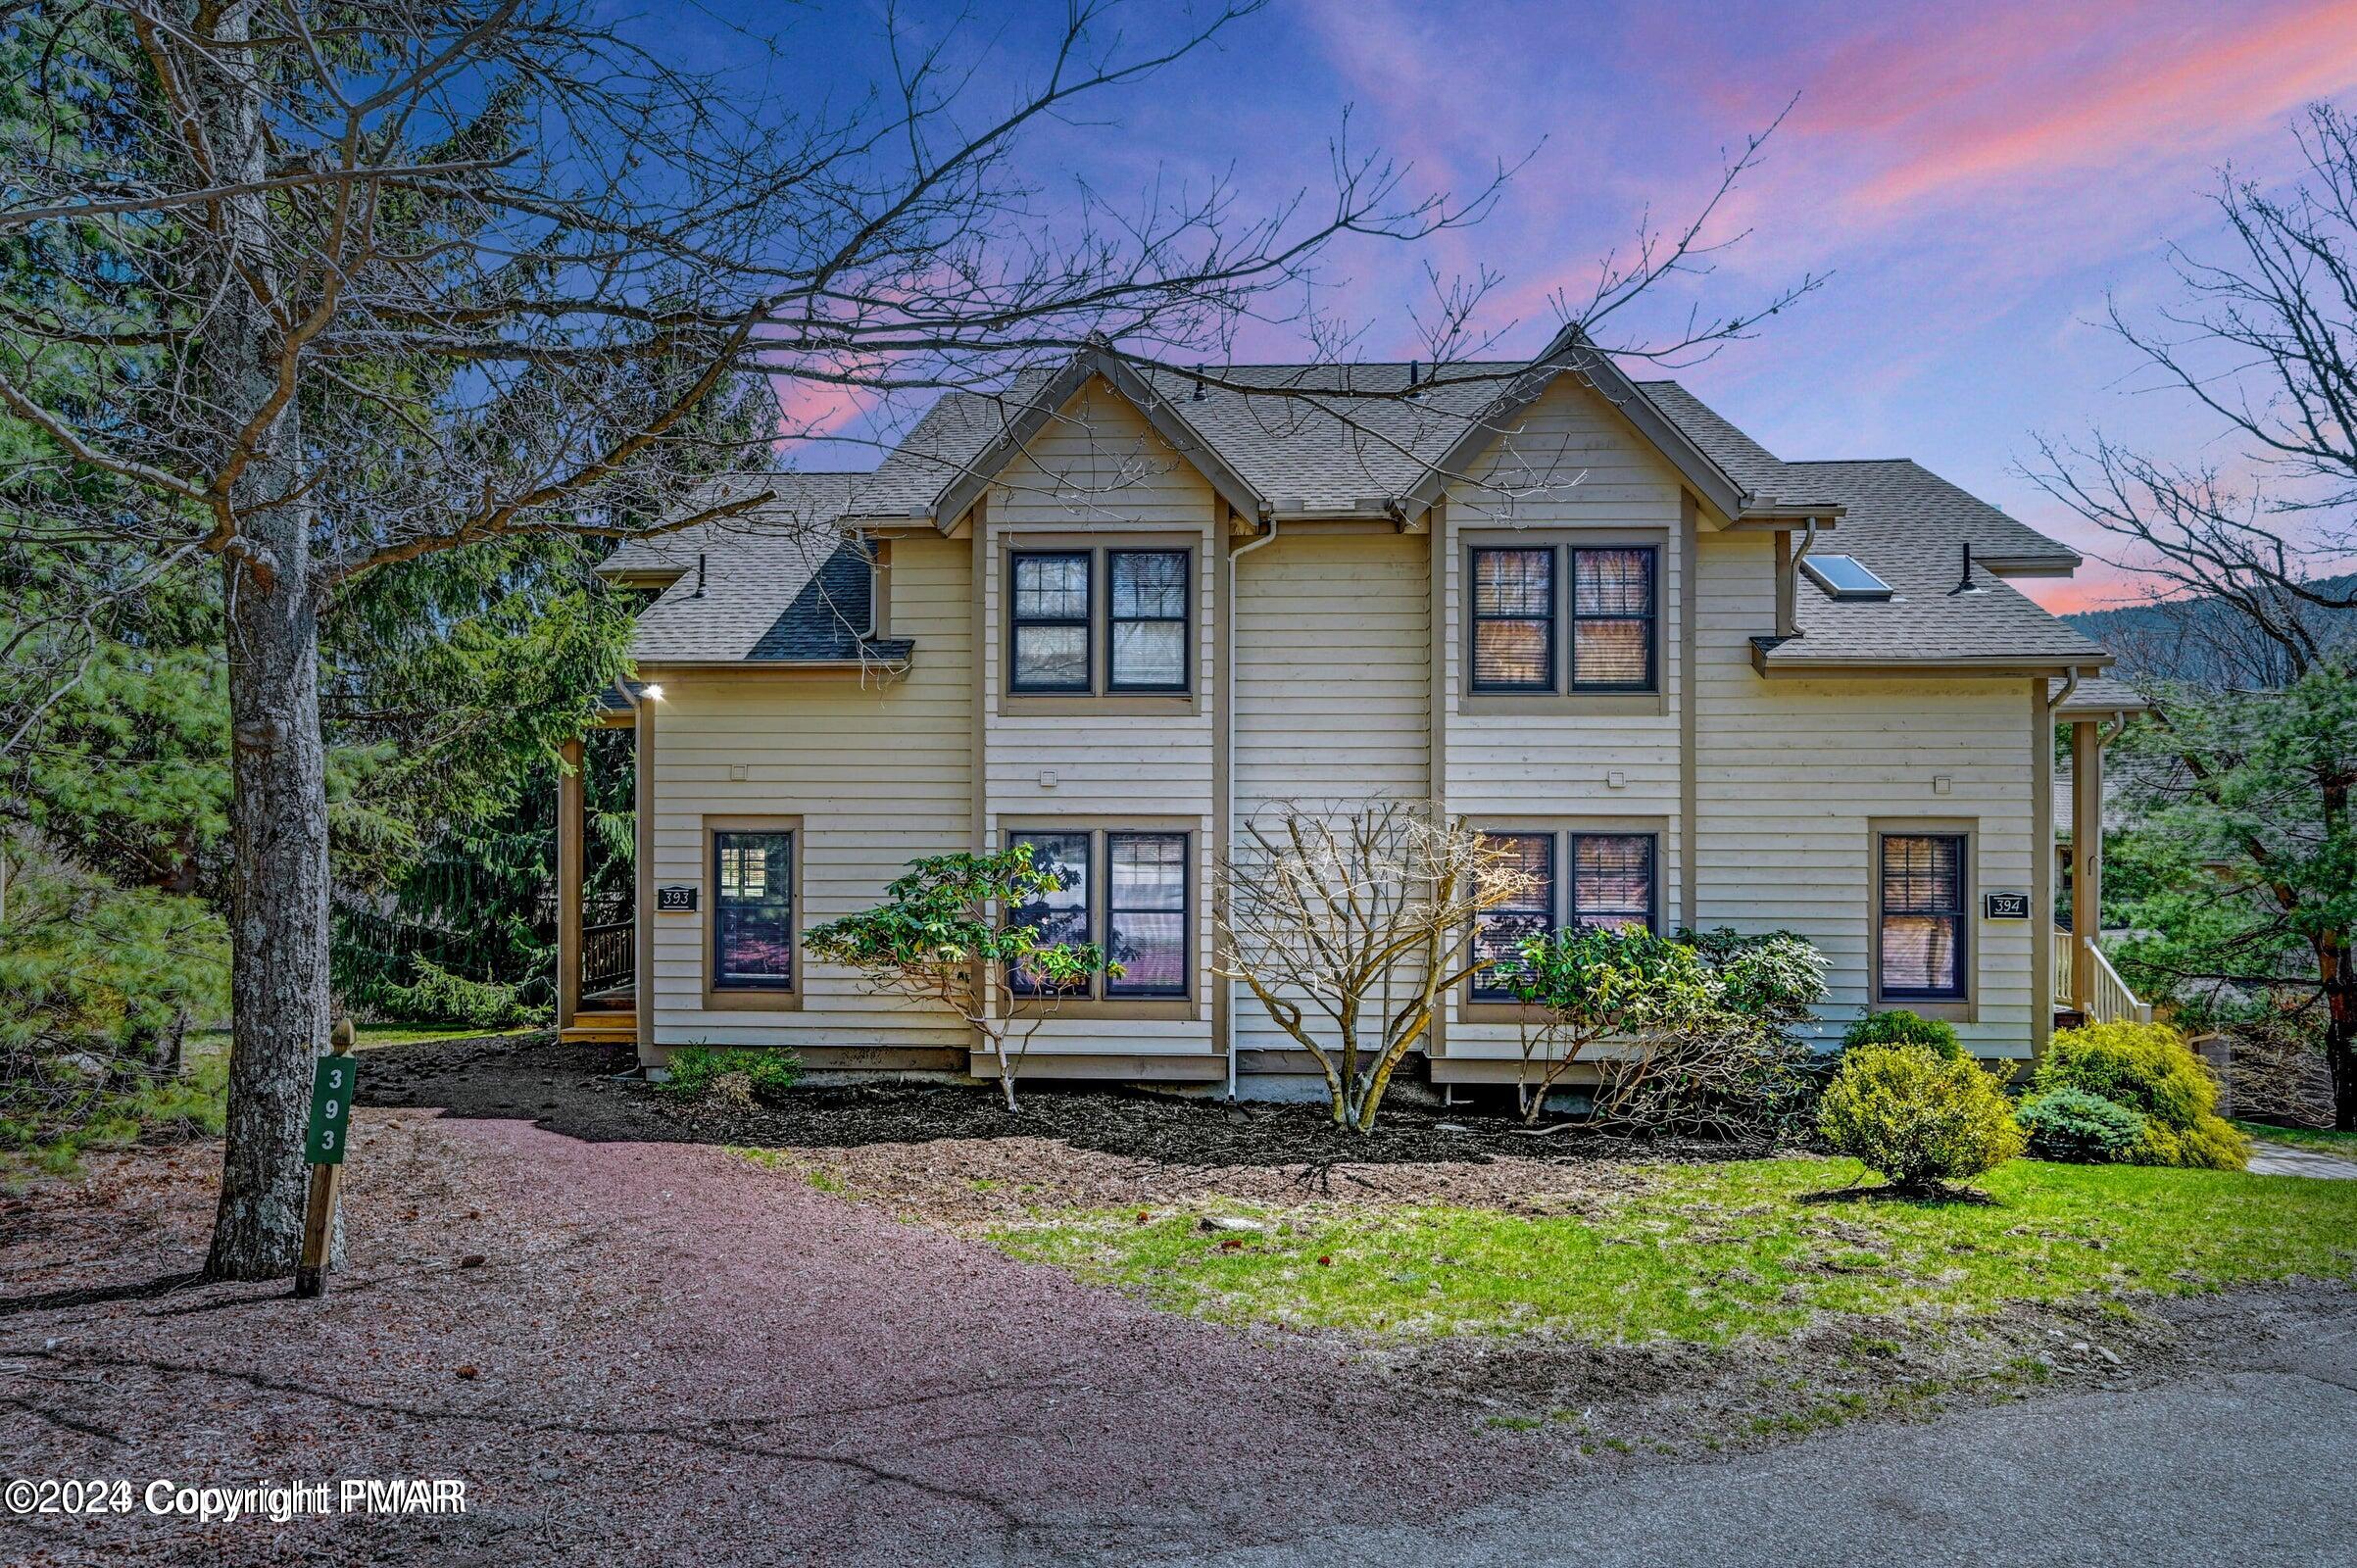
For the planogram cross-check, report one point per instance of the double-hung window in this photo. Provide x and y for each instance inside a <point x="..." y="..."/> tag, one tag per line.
<point x="1146" y="649"/>
<point x="1050" y="636"/>
<point x="1578" y="879"/>
<point x="1921" y="946"/>
<point x="1555" y="620"/>
<point x="1131" y="893"/>
<point x="1100" y="621"/>
<point x="753" y="909"/>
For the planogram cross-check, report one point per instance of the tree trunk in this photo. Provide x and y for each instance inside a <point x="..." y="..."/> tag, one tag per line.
<point x="2340" y="1054"/>
<point x="278" y="800"/>
<point x="278" y="914"/>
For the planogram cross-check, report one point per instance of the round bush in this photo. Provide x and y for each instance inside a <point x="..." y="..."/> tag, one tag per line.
<point x="1903" y="1028"/>
<point x="2148" y="1068"/>
<point x="1917" y="1116"/>
<point x="2072" y="1124"/>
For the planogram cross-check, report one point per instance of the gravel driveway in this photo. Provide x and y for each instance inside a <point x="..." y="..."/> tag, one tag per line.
<point x="666" y="1352"/>
<point x="640" y="1352"/>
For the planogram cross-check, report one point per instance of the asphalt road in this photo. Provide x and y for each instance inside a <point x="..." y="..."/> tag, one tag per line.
<point x="2254" y="1463"/>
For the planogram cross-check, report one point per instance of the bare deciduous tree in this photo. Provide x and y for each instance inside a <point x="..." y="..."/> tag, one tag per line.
<point x="366" y="281"/>
<point x="2245" y="568"/>
<point x="1349" y="921"/>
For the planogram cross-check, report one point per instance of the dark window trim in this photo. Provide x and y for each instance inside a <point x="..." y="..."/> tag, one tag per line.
<point x="1114" y="989"/>
<point x="1571" y="879"/>
<point x="1089" y="906"/>
<point x="1962" y="991"/>
<point x="1086" y="621"/>
<point x="1651" y="619"/>
<point x="1184" y="620"/>
<point x="1101" y="688"/>
<point x="1562" y="624"/>
<point x="1563" y="890"/>
<point x="1096" y="884"/>
<point x="1547" y="685"/>
<point x="1475" y="990"/>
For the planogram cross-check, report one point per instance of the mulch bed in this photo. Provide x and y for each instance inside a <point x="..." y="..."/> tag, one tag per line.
<point x="954" y="1154"/>
<point x="575" y="1090"/>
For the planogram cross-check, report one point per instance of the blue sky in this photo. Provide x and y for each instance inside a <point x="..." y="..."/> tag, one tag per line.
<point x="1975" y="178"/>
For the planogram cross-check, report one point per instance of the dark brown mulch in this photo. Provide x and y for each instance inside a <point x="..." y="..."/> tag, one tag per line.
<point x="573" y="1090"/>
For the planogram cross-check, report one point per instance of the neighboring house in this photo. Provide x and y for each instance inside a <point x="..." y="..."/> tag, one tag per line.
<point x="1117" y="611"/>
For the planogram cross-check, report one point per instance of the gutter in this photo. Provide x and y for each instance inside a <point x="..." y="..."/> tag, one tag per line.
<point x="1227" y="807"/>
<point x="2070" y="684"/>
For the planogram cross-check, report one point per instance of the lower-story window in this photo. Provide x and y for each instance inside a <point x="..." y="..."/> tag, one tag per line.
<point x="1577" y="879"/>
<point x="753" y="909"/>
<point x="1921" y="937"/>
<point x="1132" y="893"/>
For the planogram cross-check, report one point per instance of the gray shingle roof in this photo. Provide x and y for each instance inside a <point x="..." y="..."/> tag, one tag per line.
<point x="1291" y="431"/>
<point x="778" y="585"/>
<point x="2096" y="696"/>
<point x="1293" y="434"/>
<point x="1909" y="526"/>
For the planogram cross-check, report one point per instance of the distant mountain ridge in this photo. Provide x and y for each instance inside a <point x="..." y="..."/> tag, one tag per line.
<point x="2202" y="639"/>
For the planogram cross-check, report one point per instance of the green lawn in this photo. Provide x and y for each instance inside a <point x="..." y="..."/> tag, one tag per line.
<point x="1710" y="1253"/>
<point x="2304" y="1137"/>
<point x="367" y="1035"/>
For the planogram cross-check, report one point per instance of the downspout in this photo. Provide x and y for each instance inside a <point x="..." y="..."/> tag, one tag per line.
<point x="2070" y="684"/>
<point x="1227" y="710"/>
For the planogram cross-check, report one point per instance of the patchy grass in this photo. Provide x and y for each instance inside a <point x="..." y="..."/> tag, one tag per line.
<point x="369" y="1035"/>
<point x="1710" y="1253"/>
<point x="2324" y="1142"/>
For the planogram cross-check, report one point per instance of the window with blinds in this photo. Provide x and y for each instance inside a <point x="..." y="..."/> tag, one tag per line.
<point x="1524" y="598"/>
<point x="1922" y="939"/>
<point x="1578" y="880"/>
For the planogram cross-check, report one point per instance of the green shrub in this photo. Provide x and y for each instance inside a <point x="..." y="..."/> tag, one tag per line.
<point x="100" y="984"/>
<point x="2071" y="1124"/>
<point x="1917" y="1116"/>
<point x="438" y="996"/>
<point x="1899" y="1027"/>
<point x="2211" y="1143"/>
<point x="2147" y="1068"/>
<point x="699" y="1070"/>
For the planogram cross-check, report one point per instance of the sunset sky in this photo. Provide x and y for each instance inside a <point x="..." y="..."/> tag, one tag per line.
<point x="1974" y="177"/>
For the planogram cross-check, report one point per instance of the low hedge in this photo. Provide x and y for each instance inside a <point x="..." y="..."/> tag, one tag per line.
<point x="1917" y="1116"/>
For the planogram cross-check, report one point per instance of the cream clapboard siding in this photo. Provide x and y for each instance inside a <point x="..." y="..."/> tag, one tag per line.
<point x="1100" y="469"/>
<point x="878" y="774"/>
<point x="1333" y="687"/>
<point x="1573" y="462"/>
<point x="1790" y="773"/>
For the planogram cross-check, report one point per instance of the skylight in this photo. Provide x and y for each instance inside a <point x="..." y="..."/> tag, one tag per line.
<point x="1843" y="577"/>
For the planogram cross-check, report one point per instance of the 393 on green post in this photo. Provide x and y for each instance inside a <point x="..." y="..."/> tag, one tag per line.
<point x="333" y="1079"/>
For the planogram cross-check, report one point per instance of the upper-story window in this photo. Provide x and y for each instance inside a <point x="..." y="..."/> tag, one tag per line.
<point x="1549" y="620"/>
<point x="1083" y="622"/>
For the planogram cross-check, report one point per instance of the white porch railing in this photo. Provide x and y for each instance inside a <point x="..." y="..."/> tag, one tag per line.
<point x="2111" y="1002"/>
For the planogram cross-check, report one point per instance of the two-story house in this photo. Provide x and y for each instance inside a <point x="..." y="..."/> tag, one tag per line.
<point x="1116" y="611"/>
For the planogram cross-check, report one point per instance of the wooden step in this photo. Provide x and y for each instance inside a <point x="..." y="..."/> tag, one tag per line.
<point x="622" y="1032"/>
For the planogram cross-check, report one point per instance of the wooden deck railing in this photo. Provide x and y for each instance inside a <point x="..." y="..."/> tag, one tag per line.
<point x="2111" y="1000"/>
<point x="608" y="959"/>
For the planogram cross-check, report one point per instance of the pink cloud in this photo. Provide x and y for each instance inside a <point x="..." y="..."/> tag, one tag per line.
<point x="2054" y="113"/>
